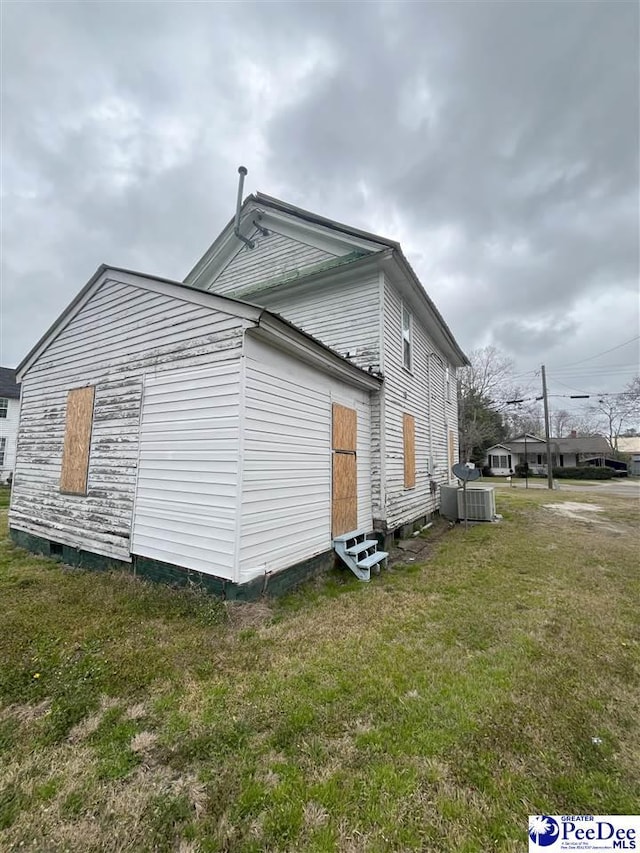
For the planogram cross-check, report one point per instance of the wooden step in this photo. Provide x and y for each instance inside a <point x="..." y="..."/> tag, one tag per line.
<point x="362" y="546"/>
<point x="355" y="534"/>
<point x="372" y="560"/>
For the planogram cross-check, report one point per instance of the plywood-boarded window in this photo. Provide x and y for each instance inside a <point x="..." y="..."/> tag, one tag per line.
<point x="77" y="441"/>
<point x="345" y="428"/>
<point x="452" y="449"/>
<point x="409" y="437"/>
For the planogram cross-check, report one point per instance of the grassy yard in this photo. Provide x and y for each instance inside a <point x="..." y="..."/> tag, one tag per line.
<point x="431" y="710"/>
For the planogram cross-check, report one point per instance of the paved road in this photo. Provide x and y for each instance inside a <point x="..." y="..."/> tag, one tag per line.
<point x="619" y="488"/>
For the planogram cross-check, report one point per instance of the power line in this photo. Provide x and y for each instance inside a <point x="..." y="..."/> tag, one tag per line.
<point x="526" y="373"/>
<point x="582" y="391"/>
<point x="599" y="368"/>
<point x="597" y="355"/>
<point x="569" y="374"/>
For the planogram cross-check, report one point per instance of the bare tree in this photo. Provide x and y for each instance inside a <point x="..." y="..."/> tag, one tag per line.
<point x="561" y="422"/>
<point x="585" y="424"/>
<point x="483" y="388"/>
<point x="616" y="412"/>
<point x="632" y="394"/>
<point x="490" y="376"/>
<point x="483" y="414"/>
<point x="527" y="417"/>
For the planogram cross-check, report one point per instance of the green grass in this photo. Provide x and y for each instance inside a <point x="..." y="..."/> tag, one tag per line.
<point x="432" y="709"/>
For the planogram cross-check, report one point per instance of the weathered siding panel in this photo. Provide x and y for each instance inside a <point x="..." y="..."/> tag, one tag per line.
<point x="274" y="256"/>
<point x="345" y="317"/>
<point x="286" y="480"/>
<point x="408" y="392"/>
<point x="9" y="431"/>
<point x="186" y="498"/>
<point x="122" y="334"/>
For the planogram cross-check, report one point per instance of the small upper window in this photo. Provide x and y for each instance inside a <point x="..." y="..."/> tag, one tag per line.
<point x="4" y="405"/>
<point x="447" y="385"/>
<point x="407" y="353"/>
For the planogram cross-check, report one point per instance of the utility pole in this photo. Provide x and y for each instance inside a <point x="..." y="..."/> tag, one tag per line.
<point x="547" y="434"/>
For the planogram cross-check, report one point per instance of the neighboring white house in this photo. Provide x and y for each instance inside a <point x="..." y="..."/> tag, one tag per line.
<point x="9" y="416"/>
<point x="192" y="431"/>
<point x="566" y="453"/>
<point x="631" y="446"/>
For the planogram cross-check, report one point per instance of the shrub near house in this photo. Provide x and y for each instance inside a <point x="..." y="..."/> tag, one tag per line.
<point x="588" y="472"/>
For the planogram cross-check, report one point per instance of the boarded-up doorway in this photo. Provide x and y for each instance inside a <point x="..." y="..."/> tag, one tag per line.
<point x="344" y="503"/>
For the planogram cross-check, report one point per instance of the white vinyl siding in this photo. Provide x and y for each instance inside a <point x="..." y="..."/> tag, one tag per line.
<point x="9" y="432"/>
<point x="273" y="257"/>
<point x="286" y="480"/>
<point x="343" y="316"/>
<point x="420" y="393"/>
<point x="122" y="334"/>
<point x="186" y="499"/>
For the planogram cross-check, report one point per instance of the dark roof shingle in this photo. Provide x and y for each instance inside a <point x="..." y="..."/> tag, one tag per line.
<point x="8" y="385"/>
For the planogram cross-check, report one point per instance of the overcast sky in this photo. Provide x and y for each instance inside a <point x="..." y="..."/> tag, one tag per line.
<point x="498" y="142"/>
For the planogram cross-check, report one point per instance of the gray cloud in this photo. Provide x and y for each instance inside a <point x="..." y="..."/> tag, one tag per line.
<point x="497" y="141"/>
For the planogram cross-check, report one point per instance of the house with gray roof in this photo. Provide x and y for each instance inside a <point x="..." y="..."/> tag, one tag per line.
<point x="568" y="452"/>
<point x="9" y="416"/>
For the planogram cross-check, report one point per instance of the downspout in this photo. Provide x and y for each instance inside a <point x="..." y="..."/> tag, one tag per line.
<point x="236" y="229"/>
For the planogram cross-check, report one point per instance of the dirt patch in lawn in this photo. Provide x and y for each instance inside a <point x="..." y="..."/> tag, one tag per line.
<point x="581" y="512"/>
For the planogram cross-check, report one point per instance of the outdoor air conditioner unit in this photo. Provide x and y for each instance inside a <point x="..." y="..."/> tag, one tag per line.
<point x="481" y="504"/>
<point x="449" y="502"/>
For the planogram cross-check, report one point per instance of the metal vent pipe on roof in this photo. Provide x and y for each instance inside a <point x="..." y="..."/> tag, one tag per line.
<point x="242" y="171"/>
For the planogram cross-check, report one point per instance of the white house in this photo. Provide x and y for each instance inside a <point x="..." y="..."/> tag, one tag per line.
<point x="9" y="414"/>
<point x="297" y="390"/>
<point x="631" y="446"/>
<point x="565" y="452"/>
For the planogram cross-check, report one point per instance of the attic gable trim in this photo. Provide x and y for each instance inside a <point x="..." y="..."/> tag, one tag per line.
<point x="299" y="228"/>
<point x="170" y="288"/>
<point x="223" y="245"/>
<point x="289" y="224"/>
<point x="62" y="321"/>
<point x="176" y="290"/>
<point x="324" y="221"/>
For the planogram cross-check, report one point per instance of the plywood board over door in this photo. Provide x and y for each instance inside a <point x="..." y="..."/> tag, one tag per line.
<point x="344" y="501"/>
